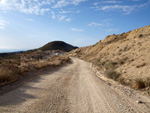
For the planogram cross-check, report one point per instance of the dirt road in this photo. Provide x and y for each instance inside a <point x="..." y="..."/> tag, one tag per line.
<point x="71" y="89"/>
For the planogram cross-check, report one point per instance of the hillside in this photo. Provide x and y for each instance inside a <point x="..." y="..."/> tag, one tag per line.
<point x="58" y="45"/>
<point x="127" y="53"/>
<point x="14" y="65"/>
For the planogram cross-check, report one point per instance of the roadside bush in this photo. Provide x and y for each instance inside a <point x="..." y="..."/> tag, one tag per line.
<point x="110" y="65"/>
<point x="10" y="71"/>
<point x="52" y="62"/>
<point x="100" y="65"/>
<point x="121" y="62"/>
<point x="112" y="74"/>
<point x="141" y="35"/>
<point x="139" y="84"/>
<point x="123" y="34"/>
<point x="147" y="82"/>
<point x="8" y="74"/>
<point x="125" y="81"/>
<point x="122" y="81"/>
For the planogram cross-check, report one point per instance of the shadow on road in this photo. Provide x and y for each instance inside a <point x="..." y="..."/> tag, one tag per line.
<point x="8" y="95"/>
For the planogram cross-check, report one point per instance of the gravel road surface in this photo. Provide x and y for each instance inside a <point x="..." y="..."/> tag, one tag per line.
<point x="73" y="88"/>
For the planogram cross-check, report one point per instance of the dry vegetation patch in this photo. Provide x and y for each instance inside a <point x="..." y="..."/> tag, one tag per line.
<point x="112" y="74"/>
<point x="13" y="67"/>
<point x="8" y="74"/>
<point x="139" y="84"/>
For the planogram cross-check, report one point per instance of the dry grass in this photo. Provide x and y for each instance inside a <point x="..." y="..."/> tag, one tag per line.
<point x="11" y="70"/>
<point x="147" y="82"/>
<point x="122" y="81"/>
<point x="8" y="74"/>
<point x="52" y="62"/>
<point x="139" y="84"/>
<point x="105" y="65"/>
<point x="112" y="74"/>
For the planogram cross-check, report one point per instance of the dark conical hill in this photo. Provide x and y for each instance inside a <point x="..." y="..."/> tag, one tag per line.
<point x="58" y="45"/>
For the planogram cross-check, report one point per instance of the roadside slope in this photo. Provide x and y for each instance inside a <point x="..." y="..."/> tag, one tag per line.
<point x="75" y="89"/>
<point x="126" y="53"/>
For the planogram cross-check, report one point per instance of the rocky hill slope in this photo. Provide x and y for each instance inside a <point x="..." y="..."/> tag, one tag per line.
<point x="128" y="54"/>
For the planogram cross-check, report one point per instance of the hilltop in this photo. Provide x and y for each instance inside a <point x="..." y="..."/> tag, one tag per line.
<point x="127" y="54"/>
<point x="58" y="45"/>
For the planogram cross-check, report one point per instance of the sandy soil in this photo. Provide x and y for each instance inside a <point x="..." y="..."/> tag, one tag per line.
<point x="74" y="88"/>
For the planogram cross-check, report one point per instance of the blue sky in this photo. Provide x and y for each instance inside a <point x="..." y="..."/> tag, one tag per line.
<point x="29" y="24"/>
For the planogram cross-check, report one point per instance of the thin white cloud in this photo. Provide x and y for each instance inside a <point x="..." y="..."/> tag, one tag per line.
<point x="63" y="3"/>
<point x="125" y="9"/>
<point x="107" y="2"/>
<point x="65" y="12"/>
<point x="40" y="7"/>
<point x="53" y="15"/>
<point x="43" y="11"/>
<point x="95" y="3"/>
<point x="29" y="19"/>
<point x="62" y="17"/>
<point x="3" y="23"/>
<point x="112" y="30"/>
<point x="78" y="30"/>
<point x="70" y="11"/>
<point x="103" y="23"/>
<point x="95" y="24"/>
<point x="78" y="11"/>
<point x="68" y="19"/>
<point x="26" y="6"/>
<point x="111" y="2"/>
<point x="136" y="0"/>
<point x="76" y="2"/>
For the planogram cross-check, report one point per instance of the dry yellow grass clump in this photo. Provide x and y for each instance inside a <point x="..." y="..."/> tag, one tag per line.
<point x="8" y="74"/>
<point x="12" y="69"/>
<point x="126" y="53"/>
<point x="52" y="62"/>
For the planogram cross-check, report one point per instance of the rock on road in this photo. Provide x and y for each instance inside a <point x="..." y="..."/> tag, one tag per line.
<point x="74" y="88"/>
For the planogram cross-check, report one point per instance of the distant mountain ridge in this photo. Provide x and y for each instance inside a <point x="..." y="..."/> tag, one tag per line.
<point x="58" y="45"/>
<point x="9" y="53"/>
